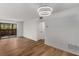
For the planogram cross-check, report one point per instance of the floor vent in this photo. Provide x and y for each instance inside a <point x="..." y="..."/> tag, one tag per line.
<point x="73" y="47"/>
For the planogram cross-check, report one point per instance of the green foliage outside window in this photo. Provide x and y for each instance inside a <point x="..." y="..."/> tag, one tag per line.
<point x="8" y="26"/>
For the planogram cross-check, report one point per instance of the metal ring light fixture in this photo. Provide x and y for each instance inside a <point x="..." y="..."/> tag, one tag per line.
<point x="45" y="11"/>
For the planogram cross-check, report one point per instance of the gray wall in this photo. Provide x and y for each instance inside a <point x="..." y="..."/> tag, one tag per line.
<point x="63" y="30"/>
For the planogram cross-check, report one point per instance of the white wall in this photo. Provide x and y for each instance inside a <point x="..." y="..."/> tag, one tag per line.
<point x="19" y="25"/>
<point x="20" y="28"/>
<point x="63" y="29"/>
<point x="30" y="29"/>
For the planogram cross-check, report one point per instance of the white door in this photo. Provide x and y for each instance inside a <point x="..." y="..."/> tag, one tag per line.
<point x="41" y="30"/>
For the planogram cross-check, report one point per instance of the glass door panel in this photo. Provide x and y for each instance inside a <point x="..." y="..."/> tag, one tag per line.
<point x="7" y="29"/>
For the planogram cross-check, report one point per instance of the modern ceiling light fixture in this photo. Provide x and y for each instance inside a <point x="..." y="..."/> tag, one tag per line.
<point x="45" y="11"/>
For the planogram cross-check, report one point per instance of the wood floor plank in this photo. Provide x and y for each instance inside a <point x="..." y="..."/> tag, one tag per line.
<point x="27" y="47"/>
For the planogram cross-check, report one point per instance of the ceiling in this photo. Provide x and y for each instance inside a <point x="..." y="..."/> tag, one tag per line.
<point x="26" y="11"/>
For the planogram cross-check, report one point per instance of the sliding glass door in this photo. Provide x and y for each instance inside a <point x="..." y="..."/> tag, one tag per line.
<point x="7" y="29"/>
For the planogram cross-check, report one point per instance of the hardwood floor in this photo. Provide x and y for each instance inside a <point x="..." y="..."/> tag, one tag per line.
<point x="27" y="47"/>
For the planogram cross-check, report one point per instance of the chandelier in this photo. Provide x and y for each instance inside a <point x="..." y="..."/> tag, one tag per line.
<point x="45" y="11"/>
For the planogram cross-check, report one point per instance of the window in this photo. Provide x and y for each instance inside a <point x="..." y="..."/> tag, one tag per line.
<point x="7" y="29"/>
